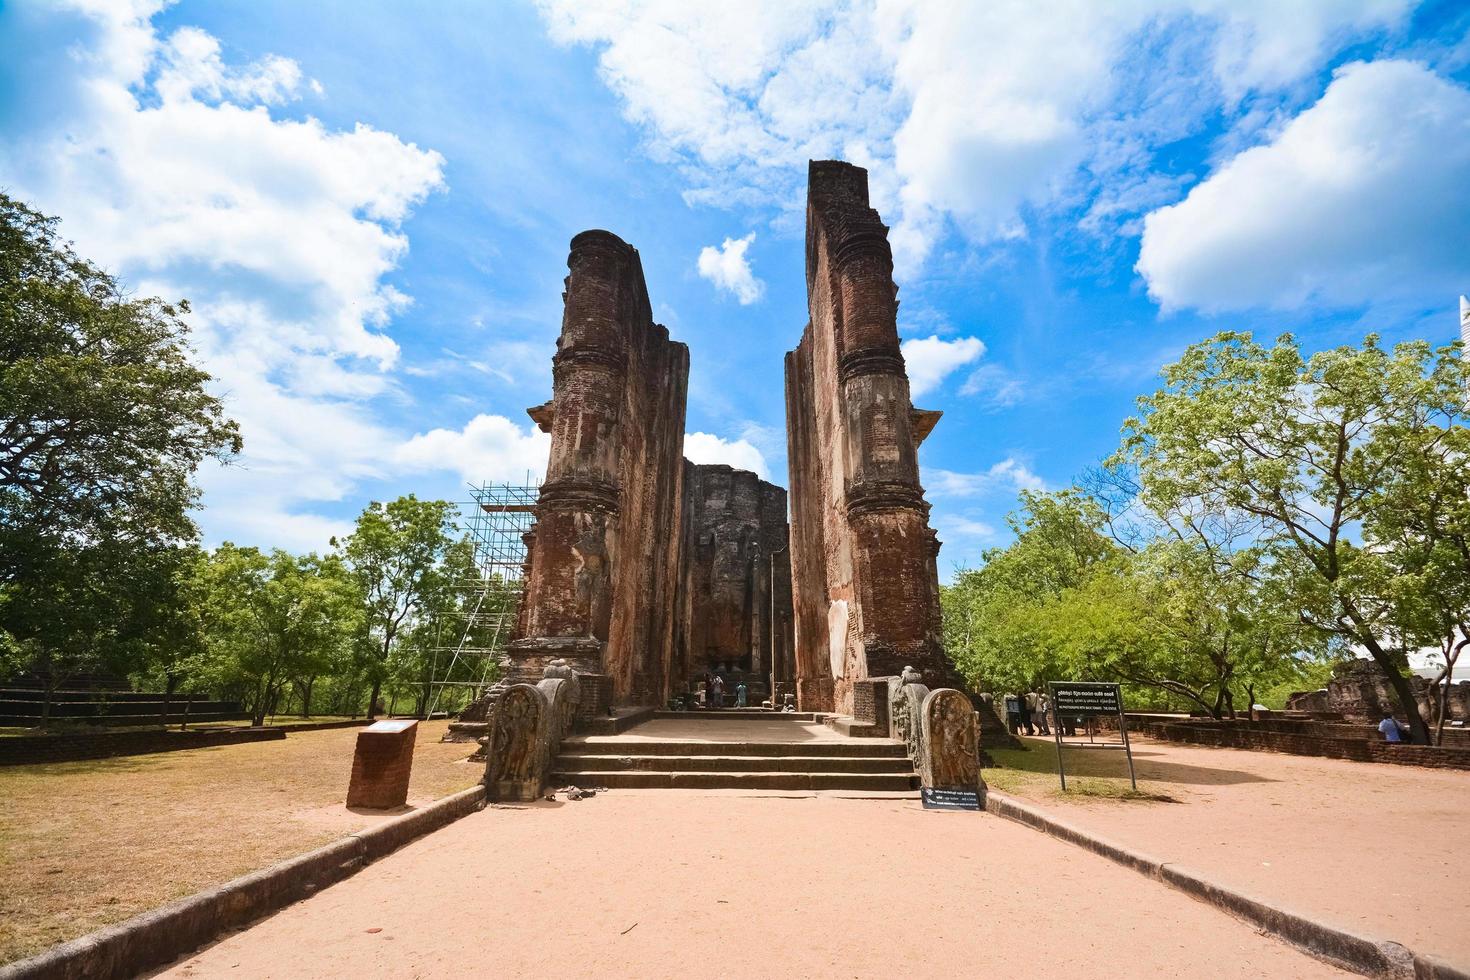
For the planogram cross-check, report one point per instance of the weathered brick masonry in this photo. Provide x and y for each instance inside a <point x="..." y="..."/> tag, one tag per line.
<point x="864" y="575"/>
<point x="603" y="555"/>
<point x="735" y="601"/>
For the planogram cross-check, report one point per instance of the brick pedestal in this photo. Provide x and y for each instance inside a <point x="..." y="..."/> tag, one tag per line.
<point x="382" y="764"/>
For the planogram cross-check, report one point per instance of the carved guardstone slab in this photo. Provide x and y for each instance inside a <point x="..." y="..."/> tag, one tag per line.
<point x="949" y="762"/>
<point x="382" y="764"/>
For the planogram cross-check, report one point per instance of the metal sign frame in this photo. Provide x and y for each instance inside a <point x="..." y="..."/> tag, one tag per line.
<point x="1116" y="690"/>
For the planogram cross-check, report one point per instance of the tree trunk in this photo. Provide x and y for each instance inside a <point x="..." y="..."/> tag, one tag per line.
<point x="306" y="697"/>
<point x="1401" y="689"/>
<point x="372" y="711"/>
<point x="1443" y="692"/>
<point x="1250" y="709"/>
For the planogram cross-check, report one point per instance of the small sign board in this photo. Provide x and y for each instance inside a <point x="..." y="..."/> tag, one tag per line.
<point x="949" y="799"/>
<point x="391" y="726"/>
<point x="1083" y="699"/>
<point x="1088" y="699"/>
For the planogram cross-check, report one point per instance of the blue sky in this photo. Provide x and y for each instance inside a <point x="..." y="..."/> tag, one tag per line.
<point x="369" y="207"/>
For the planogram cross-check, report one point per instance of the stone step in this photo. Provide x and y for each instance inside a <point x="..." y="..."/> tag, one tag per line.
<point x="732" y="714"/>
<point x="852" y="781"/>
<point x="847" y="748"/>
<point x="732" y="763"/>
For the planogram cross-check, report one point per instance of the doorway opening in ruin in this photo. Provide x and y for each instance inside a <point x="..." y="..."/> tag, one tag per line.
<point x="653" y="574"/>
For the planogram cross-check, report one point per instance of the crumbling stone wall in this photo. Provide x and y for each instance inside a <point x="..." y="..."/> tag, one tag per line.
<point x="735" y="608"/>
<point x="603" y="555"/>
<point x="864" y="573"/>
<point x="1359" y="691"/>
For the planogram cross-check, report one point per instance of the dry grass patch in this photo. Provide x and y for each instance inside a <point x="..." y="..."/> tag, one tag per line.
<point x="86" y="844"/>
<point x="1091" y="773"/>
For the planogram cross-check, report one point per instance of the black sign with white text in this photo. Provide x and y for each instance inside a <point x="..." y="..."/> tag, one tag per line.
<point x="1078" y="698"/>
<point x="949" y="799"/>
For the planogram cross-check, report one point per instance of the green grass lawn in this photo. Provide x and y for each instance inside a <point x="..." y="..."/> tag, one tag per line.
<point x="1091" y="773"/>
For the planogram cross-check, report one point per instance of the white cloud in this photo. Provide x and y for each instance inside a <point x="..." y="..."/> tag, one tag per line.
<point x="489" y="447"/>
<point x="729" y="269"/>
<point x="967" y="113"/>
<point x="995" y="386"/>
<point x="701" y="447"/>
<point x="1363" y="197"/>
<point x="168" y="167"/>
<point x="1008" y="475"/>
<point x="930" y="360"/>
<point x="965" y="527"/>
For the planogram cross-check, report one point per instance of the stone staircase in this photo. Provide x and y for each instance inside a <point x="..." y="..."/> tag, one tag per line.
<point x="774" y="755"/>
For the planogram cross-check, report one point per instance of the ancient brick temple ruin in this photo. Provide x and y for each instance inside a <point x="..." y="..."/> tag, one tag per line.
<point x="865" y="580"/>
<point x="645" y="571"/>
<point x="735" y="606"/>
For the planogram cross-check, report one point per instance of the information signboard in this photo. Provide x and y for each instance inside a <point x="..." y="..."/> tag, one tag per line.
<point x="949" y="799"/>
<point x="1088" y="699"/>
<point x="1084" y="699"/>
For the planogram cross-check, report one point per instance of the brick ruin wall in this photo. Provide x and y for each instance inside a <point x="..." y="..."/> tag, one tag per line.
<point x="735" y="602"/>
<point x="864" y="560"/>
<point x="1359" y="691"/>
<point x="602" y="558"/>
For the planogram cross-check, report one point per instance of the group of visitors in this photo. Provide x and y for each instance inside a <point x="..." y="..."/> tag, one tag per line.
<point x="714" y="692"/>
<point x="1029" y="712"/>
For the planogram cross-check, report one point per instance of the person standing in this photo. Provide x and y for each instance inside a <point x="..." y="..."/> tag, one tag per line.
<point x="1393" y="732"/>
<point x="717" y="692"/>
<point x="1028" y="711"/>
<point x="740" y="695"/>
<point x="1041" y="708"/>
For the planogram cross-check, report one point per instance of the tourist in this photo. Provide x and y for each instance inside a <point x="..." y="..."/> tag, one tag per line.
<point x="1028" y="711"/>
<point x="740" y="695"/>
<point x="717" y="692"/>
<point x="1393" y="732"/>
<point x="1040" y="718"/>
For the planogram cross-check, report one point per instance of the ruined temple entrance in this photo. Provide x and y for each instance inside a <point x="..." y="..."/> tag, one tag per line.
<point x="647" y="573"/>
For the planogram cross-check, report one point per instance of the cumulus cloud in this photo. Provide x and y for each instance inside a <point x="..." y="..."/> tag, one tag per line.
<point x="969" y="113"/>
<point x="702" y="447"/>
<point x="930" y="360"/>
<point x="489" y="447"/>
<point x="1363" y="197"/>
<point x="1010" y="474"/>
<point x="167" y="166"/>
<point x="729" y="269"/>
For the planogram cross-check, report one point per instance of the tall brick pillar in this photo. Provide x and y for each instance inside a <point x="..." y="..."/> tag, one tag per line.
<point x="568" y="599"/>
<point x="603" y="556"/>
<point x="863" y="558"/>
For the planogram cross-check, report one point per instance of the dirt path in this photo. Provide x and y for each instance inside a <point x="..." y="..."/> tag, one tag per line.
<point x="1377" y="849"/>
<point x="685" y="884"/>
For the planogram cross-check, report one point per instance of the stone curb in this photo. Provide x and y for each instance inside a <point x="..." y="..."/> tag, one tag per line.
<point x="1361" y="954"/>
<point x="160" y="936"/>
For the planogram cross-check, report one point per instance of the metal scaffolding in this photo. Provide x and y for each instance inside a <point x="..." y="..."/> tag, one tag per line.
<point x="475" y="633"/>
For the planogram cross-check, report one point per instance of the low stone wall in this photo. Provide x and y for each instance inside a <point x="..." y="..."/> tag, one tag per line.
<point x="23" y="750"/>
<point x="1245" y="735"/>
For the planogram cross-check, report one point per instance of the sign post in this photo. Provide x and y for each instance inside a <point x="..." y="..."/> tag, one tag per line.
<point x="1088" y="699"/>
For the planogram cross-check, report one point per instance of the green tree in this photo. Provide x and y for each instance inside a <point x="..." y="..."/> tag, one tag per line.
<point x="271" y="617"/>
<point x="396" y="553"/>
<point x="103" y="421"/>
<point x="1303" y="445"/>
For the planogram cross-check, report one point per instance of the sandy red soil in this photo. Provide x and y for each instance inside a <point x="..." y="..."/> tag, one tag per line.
<point x="1378" y="849"/>
<point x="686" y="884"/>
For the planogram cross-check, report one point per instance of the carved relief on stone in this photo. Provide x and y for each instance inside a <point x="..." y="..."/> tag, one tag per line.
<point x="950" y="744"/>
<point x="514" y="756"/>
